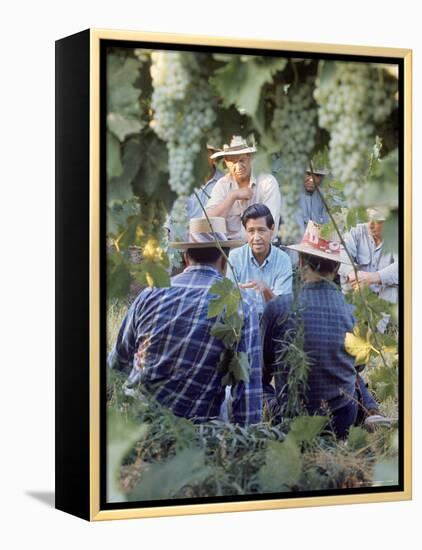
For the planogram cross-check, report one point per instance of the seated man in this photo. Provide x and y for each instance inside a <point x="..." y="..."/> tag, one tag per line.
<point x="376" y="268"/>
<point x="332" y="383"/>
<point x="241" y="187"/>
<point x="258" y="265"/>
<point x="204" y="191"/>
<point x="165" y="340"/>
<point x="311" y="205"/>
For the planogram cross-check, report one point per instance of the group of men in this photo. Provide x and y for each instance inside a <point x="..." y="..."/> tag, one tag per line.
<point x="165" y="341"/>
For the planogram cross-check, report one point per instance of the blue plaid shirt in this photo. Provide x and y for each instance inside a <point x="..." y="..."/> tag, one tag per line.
<point x="165" y="343"/>
<point x="326" y="318"/>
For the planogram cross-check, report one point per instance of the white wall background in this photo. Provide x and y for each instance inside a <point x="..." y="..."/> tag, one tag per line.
<point x="27" y="271"/>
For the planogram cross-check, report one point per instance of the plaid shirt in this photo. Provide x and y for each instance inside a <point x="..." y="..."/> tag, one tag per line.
<point x="326" y="318"/>
<point x="165" y="343"/>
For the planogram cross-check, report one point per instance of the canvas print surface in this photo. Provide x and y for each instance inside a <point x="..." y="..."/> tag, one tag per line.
<point x="252" y="202"/>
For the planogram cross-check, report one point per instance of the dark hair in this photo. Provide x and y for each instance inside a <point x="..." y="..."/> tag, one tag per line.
<point x="205" y="255"/>
<point x="255" y="211"/>
<point x="320" y="265"/>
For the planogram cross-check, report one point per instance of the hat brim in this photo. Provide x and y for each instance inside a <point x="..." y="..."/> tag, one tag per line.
<point x="341" y="258"/>
<point x="317" y="172"/>
<point x="244" y="151"/>
<point x="216" y="244"/>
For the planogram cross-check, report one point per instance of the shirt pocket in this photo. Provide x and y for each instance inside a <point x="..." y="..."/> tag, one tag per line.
<point x="364" y="258"/>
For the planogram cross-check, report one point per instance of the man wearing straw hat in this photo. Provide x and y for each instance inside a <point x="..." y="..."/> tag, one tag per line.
<point x="240" y="188"/>
<point x="194" y="207"/>
<point x="165" y="342"/>
<point x="332" y="385"/>
<point x="375" y="267"/>
<point x="311" y="205"/>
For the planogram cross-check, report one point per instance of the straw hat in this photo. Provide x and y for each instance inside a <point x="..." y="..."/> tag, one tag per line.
<point x="238" y="146"/>
<point x="317" y="171"/>
<point x="313" y="244"/>
<point x="202" y="236"/>
<point x="377" y="213"/>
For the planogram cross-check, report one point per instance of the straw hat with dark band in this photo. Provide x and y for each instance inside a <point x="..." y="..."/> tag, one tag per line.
<point x="238" y="146"/>
<point x="202" y="236"/>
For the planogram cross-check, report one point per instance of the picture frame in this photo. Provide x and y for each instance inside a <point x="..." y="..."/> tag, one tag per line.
<point x="84" y="444"/>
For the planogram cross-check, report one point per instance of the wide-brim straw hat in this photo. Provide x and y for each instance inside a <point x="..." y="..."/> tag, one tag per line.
<point x="313" y="244"/>
<point x="238" y="146"/>
<point x="377" y="213"/>
<point x="201" y="235"/>
<point x="317" y="171"/>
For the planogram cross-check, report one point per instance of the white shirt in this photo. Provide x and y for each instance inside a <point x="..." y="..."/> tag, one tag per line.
<point x="265" y="191"/>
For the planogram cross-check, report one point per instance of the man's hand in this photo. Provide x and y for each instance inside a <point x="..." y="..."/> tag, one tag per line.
<point x="242" y="194"/>
<point x="364" y="277"/>
<point x="261" y="287"/>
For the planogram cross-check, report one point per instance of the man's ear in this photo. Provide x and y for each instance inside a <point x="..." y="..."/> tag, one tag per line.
<point x="186" y="258"/>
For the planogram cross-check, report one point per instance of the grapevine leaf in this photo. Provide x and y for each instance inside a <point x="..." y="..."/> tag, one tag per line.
<point x="165" y="480"/>
<point x="224" y="332"/>
<point x="152" y="274"/>
<point x="152" y="177"/>
<point x="118" y="276"/>
<point x="358" y="438"/>
<point x="122" y="435"/>
<point x="118" y="213"/>
<point x="326" y="72"/>
<point x="384" y="380"/>
<point x="358" y="347"/>
<point x="122" y="96"/>
<point x="114" y="162"/>
<point x="282" y="468"/>
<point x="240" y="83"/>
<point x="306" y="428"/>
<point x="239" y="367"/>
<point x="122" y="126"/>
<point x="227" y="297"/>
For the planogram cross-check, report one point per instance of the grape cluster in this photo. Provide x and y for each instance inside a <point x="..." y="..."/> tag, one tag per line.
<point x="294" y="127"/>
<point x="351" y="102"/>
<point x="183" y="112"/>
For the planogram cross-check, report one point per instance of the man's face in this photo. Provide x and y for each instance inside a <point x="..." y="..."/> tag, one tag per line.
<point x="259" y="235"/>
<point x="311" y="181"/>
<point x="375" y="229"/>
<point x="239" y="166"/>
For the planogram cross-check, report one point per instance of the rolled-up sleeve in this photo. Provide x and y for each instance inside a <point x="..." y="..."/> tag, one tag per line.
<point x="390" y="274"/>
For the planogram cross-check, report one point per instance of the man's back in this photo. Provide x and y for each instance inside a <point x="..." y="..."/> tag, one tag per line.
<point x="326" y="318"/>
<point x="167" y="333"/>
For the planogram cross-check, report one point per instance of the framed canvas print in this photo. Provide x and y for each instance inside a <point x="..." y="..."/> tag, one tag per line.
<point x="233" y="274"/>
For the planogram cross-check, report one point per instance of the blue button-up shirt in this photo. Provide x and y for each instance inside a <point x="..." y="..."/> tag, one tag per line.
<point x="311" y="208"/>
<point x="204" y="193"/>
<point x="166" y="345"/>
<point x="326" y="318"/>
<point x="371" y="257"/>
<point x="275" y="272"/>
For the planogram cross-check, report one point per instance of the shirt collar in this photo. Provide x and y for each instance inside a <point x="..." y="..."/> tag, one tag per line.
<point x="265" y="262"/>
<point x="204" y="268"/>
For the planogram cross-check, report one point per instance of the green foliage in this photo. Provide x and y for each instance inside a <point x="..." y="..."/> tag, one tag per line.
<point x="304" y="429"/>
<point x="228" y="299"/>
<point x="151" y="274"/>
<point x="166" y="479"/>
<point x="118" y="276"/>
<point x="283" y="466"/>
<point x="358" y="438"/>
<point x="384" y="381"/>
<point x="121" y="436"/>
<point x="240" y="80"/>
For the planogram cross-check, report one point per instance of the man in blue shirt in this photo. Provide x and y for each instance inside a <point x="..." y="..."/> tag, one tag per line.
<point x="311" y="205"/>
<point x="258" y="265"/>
<point x="194" y="208"/>
<point x="332" y="384"/>
<point x="165" y="342"/>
